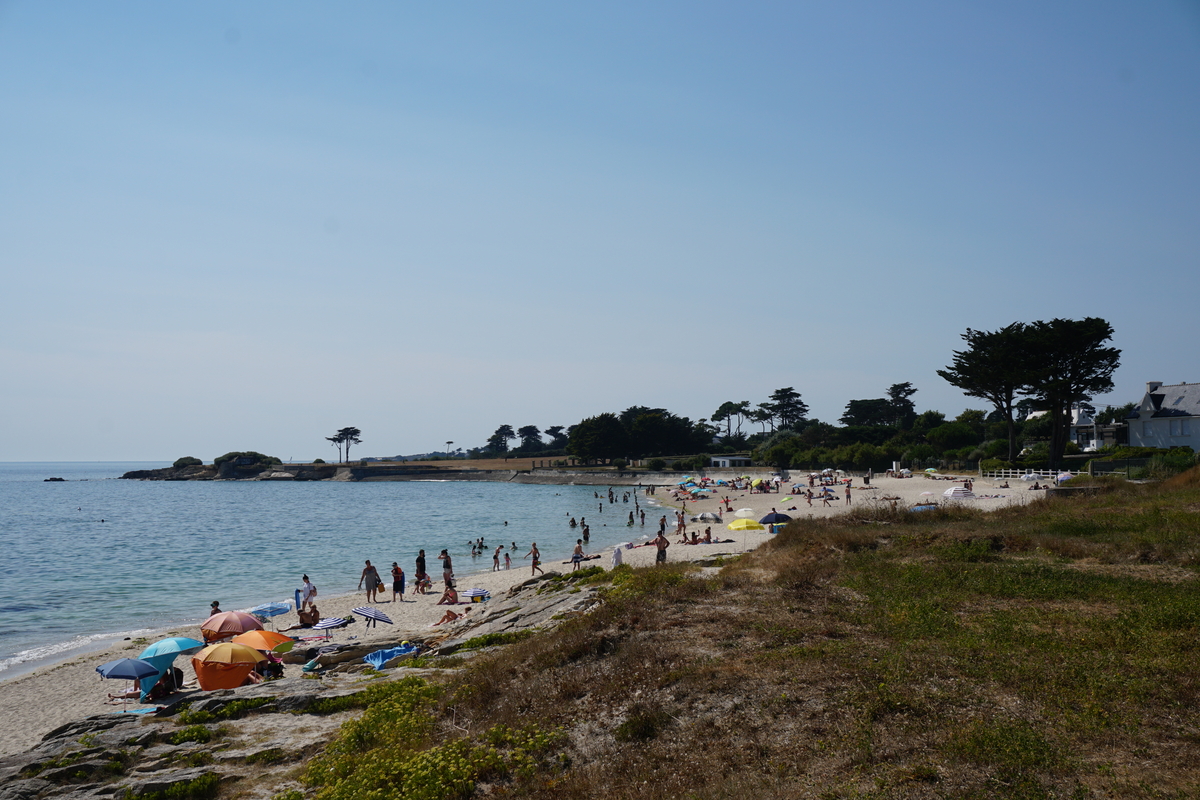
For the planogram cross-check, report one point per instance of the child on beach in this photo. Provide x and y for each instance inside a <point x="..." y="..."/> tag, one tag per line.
<point x="507" y="561"/>
<point x="397" y="582"/>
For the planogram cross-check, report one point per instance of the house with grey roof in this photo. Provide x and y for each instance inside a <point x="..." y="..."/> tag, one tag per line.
<point x="1167" y="416"/>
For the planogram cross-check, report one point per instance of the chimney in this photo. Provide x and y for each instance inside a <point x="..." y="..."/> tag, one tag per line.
<point x="1152" y="386"/>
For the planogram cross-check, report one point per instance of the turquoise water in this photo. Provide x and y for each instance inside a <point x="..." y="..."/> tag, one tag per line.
<point x="96" y="558"/>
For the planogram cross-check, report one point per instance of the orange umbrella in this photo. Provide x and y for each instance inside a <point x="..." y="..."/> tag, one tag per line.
<point x="225" y="665"/>
<point x="266" y="640"/>
<point x="229" y="653"/>
<point x="227" y="624"/>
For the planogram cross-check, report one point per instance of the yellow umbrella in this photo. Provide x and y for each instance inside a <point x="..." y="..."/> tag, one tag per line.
<point x="756" y="482"/>
<point x="266" y="640"/>
<point x="745" y="525"/>
<point x="229" y="653"/>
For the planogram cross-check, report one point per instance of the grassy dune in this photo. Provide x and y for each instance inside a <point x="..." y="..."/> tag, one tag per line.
<point x="1044" y="651"/>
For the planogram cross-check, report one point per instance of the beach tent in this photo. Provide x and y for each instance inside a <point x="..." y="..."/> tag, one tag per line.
<point x="959" y="492"/>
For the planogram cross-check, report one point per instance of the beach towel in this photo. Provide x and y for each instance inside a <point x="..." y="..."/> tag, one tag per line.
<point x="381" y="657"/>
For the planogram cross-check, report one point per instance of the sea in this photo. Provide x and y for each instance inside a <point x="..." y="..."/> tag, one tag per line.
<point x="94" y="559"/>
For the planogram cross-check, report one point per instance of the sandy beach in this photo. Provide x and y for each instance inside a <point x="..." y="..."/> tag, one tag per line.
<point x="37" y="702"/>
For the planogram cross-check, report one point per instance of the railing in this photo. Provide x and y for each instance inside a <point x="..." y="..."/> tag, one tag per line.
<point x="1048" y="474"/>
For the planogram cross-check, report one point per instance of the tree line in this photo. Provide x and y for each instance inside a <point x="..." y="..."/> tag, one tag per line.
<point x="1022" y="367"/>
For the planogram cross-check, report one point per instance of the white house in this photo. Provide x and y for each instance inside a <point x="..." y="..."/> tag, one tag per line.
<point x="1166" y="416"/>
<point x="730" y="461"/>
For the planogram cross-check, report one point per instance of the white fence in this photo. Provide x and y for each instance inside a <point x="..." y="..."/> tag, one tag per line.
<point x="1047" y="474"/>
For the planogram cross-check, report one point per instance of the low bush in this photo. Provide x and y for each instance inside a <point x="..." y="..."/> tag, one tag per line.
<point x="656" y="465"/>
<point x="192" y="733"/>
<point x="187" y="461"/>
<point x="252" y="456"/>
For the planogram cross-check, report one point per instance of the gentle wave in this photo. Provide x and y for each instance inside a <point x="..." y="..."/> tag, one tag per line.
<point x="52" y="651"/>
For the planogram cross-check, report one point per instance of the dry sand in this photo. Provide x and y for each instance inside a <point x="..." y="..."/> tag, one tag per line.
<point x="35" y="703"/>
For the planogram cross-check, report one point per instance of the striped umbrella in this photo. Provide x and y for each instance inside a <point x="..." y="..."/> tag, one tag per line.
<point x="328" y="624"/>
<point x="373" y="615"/>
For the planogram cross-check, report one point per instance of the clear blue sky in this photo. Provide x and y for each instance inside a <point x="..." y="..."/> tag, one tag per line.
<point x="230" y="226"/>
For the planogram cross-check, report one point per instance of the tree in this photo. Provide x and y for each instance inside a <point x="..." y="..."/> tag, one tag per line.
<point x="448" y="452"/>
<point x="349" y="436"/>
<point x="728" y="411"/>
<point x="994" y="367"/>
<point x="878" y="411"/>
<point x="531" y="437"/>
<point x="1068" y="365"/>
<point x="789" y="409"/>
<point x="602" y="436"/>
<point x="1114" y="414"/>
<point x="336" y="441"/>
<point x="763" y="414"/>
<point x="498" y="441"/>
<point x="903" y="409"/>
<point x="558" y="439"/>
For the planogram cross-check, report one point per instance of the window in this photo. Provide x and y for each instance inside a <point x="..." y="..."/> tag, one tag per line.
<point x="1147" y="431"/>
<point x="1181" y="427"/>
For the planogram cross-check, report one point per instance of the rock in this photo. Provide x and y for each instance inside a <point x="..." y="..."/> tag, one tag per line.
<point x="25" y="790"/>
<point x="93" y="724"/>
<point x="163" y="782"/>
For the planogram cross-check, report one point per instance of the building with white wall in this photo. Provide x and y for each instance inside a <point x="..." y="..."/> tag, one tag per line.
<point x="1168" y="416"/>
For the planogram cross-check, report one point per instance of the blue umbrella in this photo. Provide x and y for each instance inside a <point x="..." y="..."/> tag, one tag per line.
<point x="775" y="518"/>
<point x="162" y="655"/>
<point x="128" y="669"/>
<point x="271" y="609"/>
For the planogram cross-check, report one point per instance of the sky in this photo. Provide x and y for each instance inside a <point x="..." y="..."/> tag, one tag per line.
<point x="234" y="226"/>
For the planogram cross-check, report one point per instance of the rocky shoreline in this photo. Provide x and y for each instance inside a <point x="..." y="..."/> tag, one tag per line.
<point x="206" y="740"/>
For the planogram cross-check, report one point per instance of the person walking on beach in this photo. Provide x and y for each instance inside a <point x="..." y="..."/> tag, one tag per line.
<point x="662" y="544"/>
<point x="397" y="582"/>
<point x="537" y="559"/>
<point x="496" y="558"/>
<point x="577" y="556"/>
<point x="371" y="576"/>
<point x="447" y="567"/>
<point x="847" y="494"/>
<point x="419" y="577"/>
<point x="308" y="595"/>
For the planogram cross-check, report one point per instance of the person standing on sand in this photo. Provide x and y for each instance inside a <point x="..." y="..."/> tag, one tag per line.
<point x="537" y="559"/>
<point x="371" y="576"/>
<point x="507" y="561"/>
<point x="420" y="579"/>
<point x="308" y="595"/>
<point x="662" y="544"/>
<point x="447" y="567"/>
<point x="496" y="558"/>
<point x="397" y="582"/>
<point x="577" y="556"/>
<point x="847" y="494"/>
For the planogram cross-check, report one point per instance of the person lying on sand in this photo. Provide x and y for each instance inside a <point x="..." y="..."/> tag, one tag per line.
<point x="450" y="616"/>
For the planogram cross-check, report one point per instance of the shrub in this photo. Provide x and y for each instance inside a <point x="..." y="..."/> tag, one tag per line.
<point x="192" y="733"/>
<point x="187" y="461"/>
<point x="318" y="461"/>
<point x="656" y="465"/>
<point x="619" y="463"/>
<point x="989" y="464"/>
<point x="255" y="458"/>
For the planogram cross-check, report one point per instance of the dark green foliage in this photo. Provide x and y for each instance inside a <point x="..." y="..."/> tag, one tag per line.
<point x="656" y="465"/>
<point x="255" y="458"/>
<point x="318" y="461"/>
<point x="202" y="788"/>
<point x="642" y="724"/>
<point x="599" y="437"/>
<point x="187" y="461"/>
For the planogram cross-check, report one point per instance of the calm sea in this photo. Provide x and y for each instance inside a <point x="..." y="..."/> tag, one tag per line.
<point x="95" y="558"/>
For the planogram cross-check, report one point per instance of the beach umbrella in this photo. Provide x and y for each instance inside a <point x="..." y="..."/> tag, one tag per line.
<point x="931" y="469"/>
<point x="708" y="516"/>
<point x="744" y="525"/>
<point x="131" y="669"/>
<point x="1065" y="476"/>
<point x="775" y="518"/>
<point x="225" y="665"/>
<point x="162" y="655"/>
<point x="267" y="641"/>
<point x="959" y="492"/>
<point x="373" y="615"/>
<point x="271" y="609"/>
<point x="1029" y="477"/>
<point x="906" y="472"/>
<point x="744" y="513"/>
<point x="328" y="624"/>
<point x="228" y="624"/>
<point x="229" y="653"/>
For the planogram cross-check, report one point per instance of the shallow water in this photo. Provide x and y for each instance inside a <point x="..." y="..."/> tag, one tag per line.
<point x="96" y="558"/>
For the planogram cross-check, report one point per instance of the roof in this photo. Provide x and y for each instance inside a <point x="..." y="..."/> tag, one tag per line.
<point x="1175" y="400"/>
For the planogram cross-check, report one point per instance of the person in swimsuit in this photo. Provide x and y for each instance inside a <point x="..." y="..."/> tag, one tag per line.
<point x="371" y="576"/>
<point x="662" y="544"/>
<point x="419" y="577"/>
<point x="537" y="559"/>
<point x="577" y="556"/>
<point x="496" y="558"/>
<point x="447" y="566"/>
